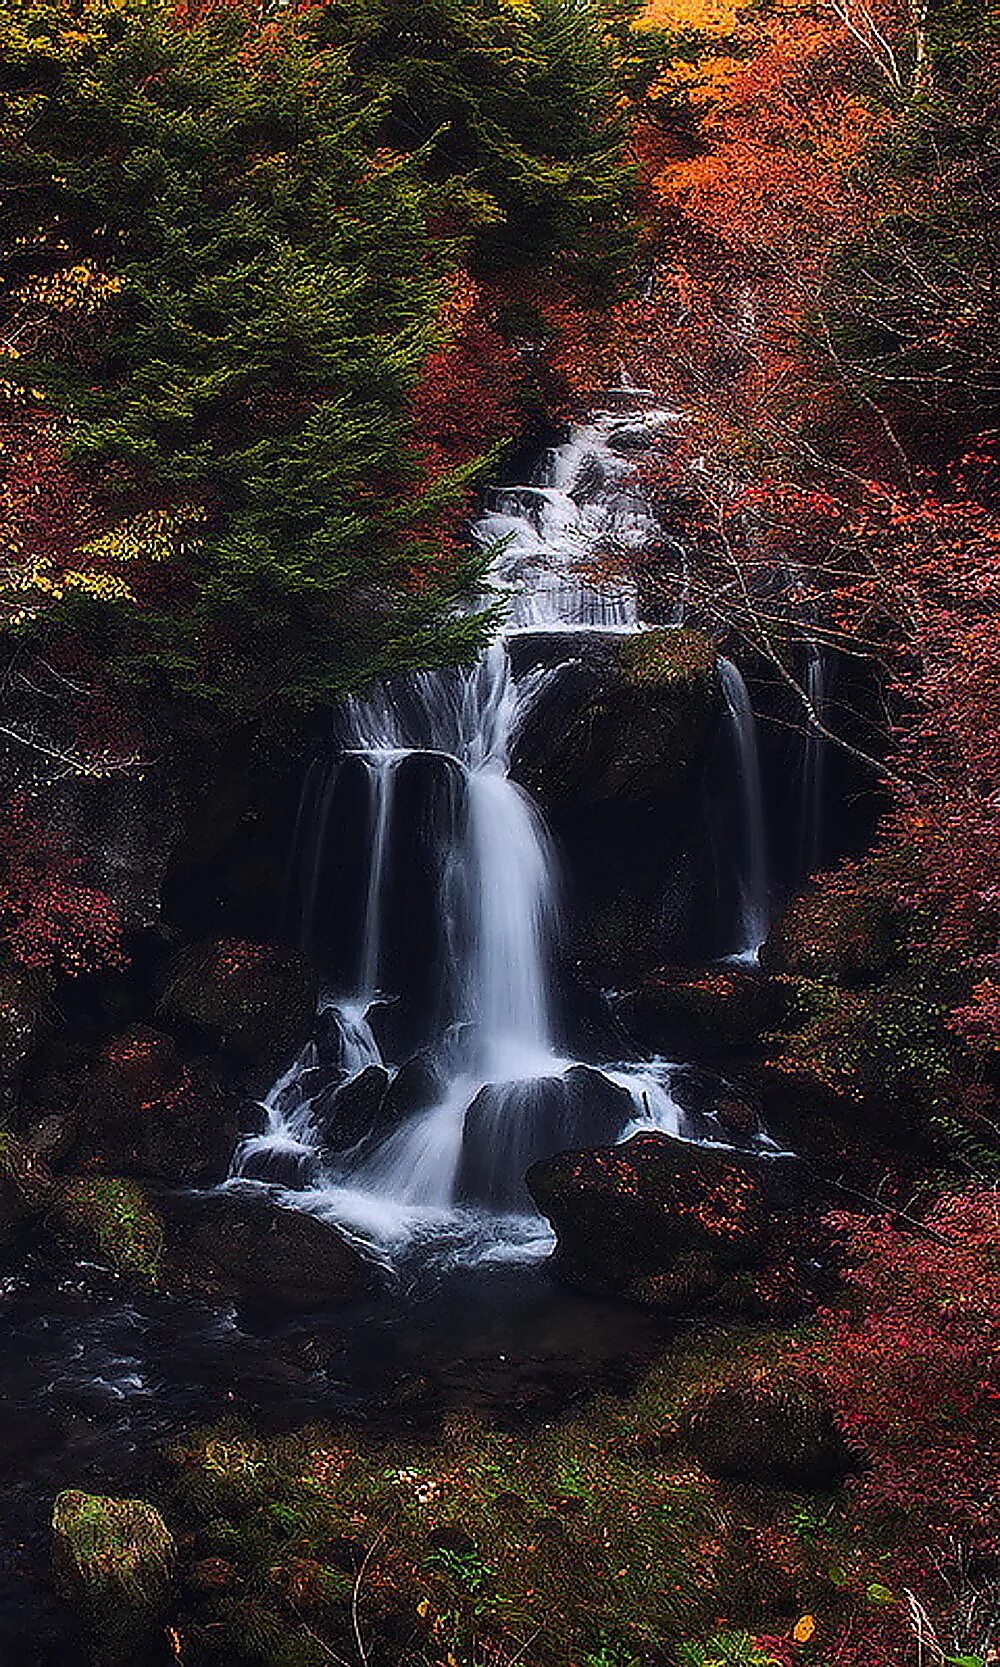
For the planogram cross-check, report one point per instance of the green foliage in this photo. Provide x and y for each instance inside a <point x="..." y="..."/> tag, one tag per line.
<point x="265" y="220"/>
<point x="114" y="1221"/>
<point x="725" y="1649"/>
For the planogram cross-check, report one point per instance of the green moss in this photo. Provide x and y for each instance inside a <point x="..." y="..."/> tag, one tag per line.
<point x="598" y="1538"/>
<point x="113" y="1221"/>
<point x="663" y="658"/>
<point x="114" y="1561"/>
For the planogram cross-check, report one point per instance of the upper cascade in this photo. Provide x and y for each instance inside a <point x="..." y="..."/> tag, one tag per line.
<point x="557" y="538"/>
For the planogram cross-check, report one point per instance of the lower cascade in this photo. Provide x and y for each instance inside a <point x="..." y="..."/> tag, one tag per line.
<point x="427" y="888"/>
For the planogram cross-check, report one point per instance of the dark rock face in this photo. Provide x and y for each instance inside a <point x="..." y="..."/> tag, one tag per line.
<point x="244" y="1246"/>
<point x="620" y="723"/>
<point x="656" y="1219"/>
<point x="615" y="751"/>
<point x="251" y="1001"/>
<point x="784" y="1435"/>
<point x="510" y="1126"/>
<point x="679" y="1013"/>
<point x="153" y="1113"/>
<point x="21" y="1019"/>
<point x="353" y="1110"/>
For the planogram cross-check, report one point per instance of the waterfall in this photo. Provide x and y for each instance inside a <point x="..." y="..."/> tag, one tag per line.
<point x="813" y="765"/>
<point x="413" y="830"/>
<point x="753" y="887"/>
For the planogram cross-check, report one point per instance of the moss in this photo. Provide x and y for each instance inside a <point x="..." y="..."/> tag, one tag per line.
<point x="598" y="1538"/>
<point x="113" y="1221"/>
<point x="660" y="659"/>
<point x="114" y="1561"/>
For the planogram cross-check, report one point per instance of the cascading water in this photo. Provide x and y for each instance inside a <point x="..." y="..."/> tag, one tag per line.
<point x="752" y="864"/>
<point x="419" y="771"/>
<point x="813" y="766"/>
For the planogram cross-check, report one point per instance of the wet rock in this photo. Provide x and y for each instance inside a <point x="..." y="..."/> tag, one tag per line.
<point x="677" y="1012"/>
<point x="251" y="1001"/>
<point x="152" y="1113"/>
<point x="244" y="1246"/>
<point x="510" y="1126"/>
<point x="114" y="1561"/>
<point x="737" y="1117"/>
<point x="293" y="1167"/>
<point x="654" y="1219"/>
<point x="621" y="723"/>
<point x="112" y="1221"/>
<point x="416" y="1087"/>
<point x="782" y="1434"/>
<point x="25" y="1186"/>
<point x="352" y="1111"/>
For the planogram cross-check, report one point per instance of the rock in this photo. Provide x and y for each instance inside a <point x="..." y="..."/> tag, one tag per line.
<point x="251" y="1001"/>
<point x="417" y="1086"/>
<point x="25" y="1186"/>
<point x="153" y="1113"/>
<point x="353" y="1110"/>
<point x="677" y="1012"/>
<point x="621" y="723"/>
<point x="655" y="1218"/>
<point x="779" y="1434"/>
<point x="280" y="1164"/>
<point x="243" y="1245"/>
<point x="511" y="1125"/>
<point x="114" y="1561"/>
<point x="737" y="1117"/>
<point x="110" y="1221"/>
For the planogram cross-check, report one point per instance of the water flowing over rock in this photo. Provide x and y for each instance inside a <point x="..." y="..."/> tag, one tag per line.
<point x="428" y="886"/>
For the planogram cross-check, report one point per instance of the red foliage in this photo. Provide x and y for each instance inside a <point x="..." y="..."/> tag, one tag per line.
<point x="49" y="919"/>
<point x="910" y="1361"/>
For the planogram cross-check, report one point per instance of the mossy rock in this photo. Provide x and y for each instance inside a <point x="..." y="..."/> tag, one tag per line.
<point x="25" y="1186"/>
<point x="622" y="722"/>
<point x="656" y="1219"/>
<point x="151" y="1112"/>
<point x="676" y="1011"/>
<point x="114" y="1561"/>
<point x="112" y="1221"/>
<point x="781" y="1434"/>
<point x="251" y="1001"/>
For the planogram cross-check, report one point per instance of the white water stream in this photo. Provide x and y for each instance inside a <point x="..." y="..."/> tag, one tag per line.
<point x="443" y="1172"/>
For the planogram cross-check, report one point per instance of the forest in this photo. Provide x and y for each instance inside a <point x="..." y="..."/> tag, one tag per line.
<point x="500" y="833"/>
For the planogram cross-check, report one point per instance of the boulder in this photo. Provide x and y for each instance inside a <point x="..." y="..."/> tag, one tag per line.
<point x="511" y="1125"/>
<point x="242" y="1245"/>
<point x="351" y="1111"/>
<point x="151" y="1112"/>
<point x="782" y="1434"/>
<point x="656" y="1219"/>
<point x="621" y="722"/>
<point x="25" y="1186"/>
<point x="114" y="1561"/>
<point x="108" y="1220"/>
<point x="250" y="1001"/>
<point x="417" y="1086"/>
<point x="678" y="1012"/>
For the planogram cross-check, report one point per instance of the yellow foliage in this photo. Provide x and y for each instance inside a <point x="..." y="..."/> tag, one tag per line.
<point x="155" y="535"/>
<point x="804" y="1629"/>
<point x="81" y="288"/>
<point x="709" y="17"/>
